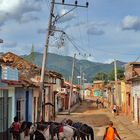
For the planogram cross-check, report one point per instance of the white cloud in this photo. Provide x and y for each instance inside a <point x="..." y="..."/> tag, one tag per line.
<point x="10" y="45"/>
<point x="96" y="28"/>
<point x="92" y="59"/>
<point x="41" y="31"/>
<point x="109" y="61"/>
<point x="17" y="9"/>
<point x="66" y="17"/>
<point x="95" y="31"/>
<point x="131" y="23"/>
<point x="8" y="6"/>
<point x="27" y="18"/>
<point x="16" y="48"/>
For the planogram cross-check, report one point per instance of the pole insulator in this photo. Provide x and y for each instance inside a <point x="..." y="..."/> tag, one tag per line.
<point x="76" y="2"/>
<point x="87" y="4"/>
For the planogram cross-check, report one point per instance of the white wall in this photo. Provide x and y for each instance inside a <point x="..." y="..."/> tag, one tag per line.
<point x="12" y="94"/>
<point x="135" y="94"/>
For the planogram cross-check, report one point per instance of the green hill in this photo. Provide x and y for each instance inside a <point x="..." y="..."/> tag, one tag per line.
<point x="63" y="65"/>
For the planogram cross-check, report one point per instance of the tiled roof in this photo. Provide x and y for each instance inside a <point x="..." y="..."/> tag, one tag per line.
<point x="27" y="70"/>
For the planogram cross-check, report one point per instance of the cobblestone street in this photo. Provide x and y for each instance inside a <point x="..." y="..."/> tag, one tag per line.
<point x="99" y="118"/>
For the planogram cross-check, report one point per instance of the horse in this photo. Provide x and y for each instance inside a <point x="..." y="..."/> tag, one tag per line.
<point x="37" y="131"/>
<point x="24" y="130"/>
<point x="85" y="131"/>
<point x="50" y="130"/>
<point x="88" y="130"/>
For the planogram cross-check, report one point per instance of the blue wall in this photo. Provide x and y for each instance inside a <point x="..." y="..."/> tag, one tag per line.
<point x="97" y="93"/>
<point x="30" y="105"/>
<point x="26" y="95"/>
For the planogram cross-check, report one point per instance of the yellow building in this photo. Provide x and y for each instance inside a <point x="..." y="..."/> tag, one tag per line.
<point x="123" y="96"/>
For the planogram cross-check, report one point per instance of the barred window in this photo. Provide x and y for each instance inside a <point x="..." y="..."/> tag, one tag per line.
<point x="20" y="107"/>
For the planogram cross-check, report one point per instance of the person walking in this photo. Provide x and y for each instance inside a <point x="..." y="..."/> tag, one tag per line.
<point x="114" y="108"/>
<point x="102" y="102"/>
<point x="15" y="129"/>
<point x="110" y="132"/>
<point x="97" y="102"/>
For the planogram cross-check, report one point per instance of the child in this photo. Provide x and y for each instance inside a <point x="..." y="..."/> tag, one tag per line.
<point x="15" y="129"/>
<point x="114" y="109"/>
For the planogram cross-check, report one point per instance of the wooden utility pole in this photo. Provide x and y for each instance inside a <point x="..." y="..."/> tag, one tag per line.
<point x="50" y="29"/>
<point x="81" y="80"/>
<point x="40" y="99"/>
<point x="115" y="70"/>
<point x="116" y="84"/>
<point x="83" y="85"/>
<point x="71" y="87"/>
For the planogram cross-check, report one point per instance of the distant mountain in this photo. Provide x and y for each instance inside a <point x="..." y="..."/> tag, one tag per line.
<point x="63" y="65"/>
<point x="119" y="63"/>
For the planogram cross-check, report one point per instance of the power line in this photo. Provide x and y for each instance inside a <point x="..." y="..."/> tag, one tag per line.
<point x="137" y="58"/>
<point x="79" y="27"/>
<point x="47" y="3"/>
<point x="79" y="49"/>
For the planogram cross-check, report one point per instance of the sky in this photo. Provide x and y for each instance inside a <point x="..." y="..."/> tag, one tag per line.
<point x="106" y="30"/>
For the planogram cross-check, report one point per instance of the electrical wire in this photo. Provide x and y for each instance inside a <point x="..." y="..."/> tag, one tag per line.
<point x="74" y="45"/>
<point x="82" y="50"/>
<point x="47" y="3"/>
<point x="137" y="58"/>
<point x="88" y="42"/>
<point x="79" y="49"/>
<point x="79" y="27"/>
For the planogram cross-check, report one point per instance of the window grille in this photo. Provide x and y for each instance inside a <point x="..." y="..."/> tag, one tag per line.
<point x="20" y="107"/>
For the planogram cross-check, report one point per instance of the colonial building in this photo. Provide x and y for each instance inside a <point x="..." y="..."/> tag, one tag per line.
<point x="98" y="87"/>
<point x="8" y="84"/>
<point x="132" y="74"/>
<point x="19" y="90"/>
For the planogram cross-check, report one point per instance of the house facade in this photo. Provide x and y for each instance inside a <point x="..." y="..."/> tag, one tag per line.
<point x="136" y="98"/>
<point x="23" y="103"/>
<point x="132" y="72"/>
<point x="88" y="89"/>
<point x="98" y="87"/>
<point x="8" y="83"/>
<point x="123" y="96"/>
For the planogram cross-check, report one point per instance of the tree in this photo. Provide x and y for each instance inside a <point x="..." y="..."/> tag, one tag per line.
<point x="100" y="76"/>
<point x="32" y="54"/>
<point x="120" y="74"/>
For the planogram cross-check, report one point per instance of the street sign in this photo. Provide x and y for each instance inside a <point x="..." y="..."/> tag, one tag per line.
<point x="78" y="77"/>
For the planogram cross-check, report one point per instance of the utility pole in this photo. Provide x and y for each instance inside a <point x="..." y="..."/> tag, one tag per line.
<point x="83" y="85"/>
<point x="50" y="29"/>
<point x="40" y="99"/>
<point x="116" y="84"/>
<point x="115" y="70"/>
<point x="71" y="87"/>
<point x="81" y="76"/>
